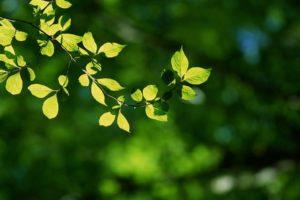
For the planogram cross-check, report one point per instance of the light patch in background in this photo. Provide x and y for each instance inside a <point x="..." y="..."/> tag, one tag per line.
<point x="222" y="184"/>
<point x="199" y="98"/>
<point x="9" y="5"/>
<point x="265" y="176"/>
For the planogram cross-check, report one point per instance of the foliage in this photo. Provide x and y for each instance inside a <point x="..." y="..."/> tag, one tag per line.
<point x="53" y="34"/>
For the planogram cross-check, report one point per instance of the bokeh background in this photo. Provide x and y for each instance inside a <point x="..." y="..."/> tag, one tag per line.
<point x="239" y="139"/>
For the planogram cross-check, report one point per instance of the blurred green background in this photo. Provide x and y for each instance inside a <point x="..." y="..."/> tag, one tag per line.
<point x="238" y="140"/>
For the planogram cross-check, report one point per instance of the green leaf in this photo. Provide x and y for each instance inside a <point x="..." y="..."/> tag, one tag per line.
<point x="49" y="29"/>
<point x="39" y="91"/>
<point x="41" y="4"/>
<point x="6" y="35"/>
<point x="150" y="92"/>
<point x="197" y="75"/>
<point x="137" y="95"/>
<point x="64" y="22"/>
<point x="10" y="52"/>
<point x="84" y="80"/>
<point x="31" y="74"/>
<point x="63" y="4"/>
<point x="63" y="80"/>
<point x="180" y="63"/>
<point x="187" y="93"/>
<point x="155" y="114"/>
<point x="3" y="75"/>
<point x="111" y="49"/>
<point x="21" y="36"/>
<point x="110" y="84"/>
<point x="89" y="42"/>
<point x="47" y="47"/>
<point x="98" y="94"/>
<point x="107" y="119"/>
<point x="14" y="84"/>
<point x="69" y="41"/>
<point x="50" y="107"/>
<point x="7" y="60"/>
<point x="167" y="76"/>
<point x="21" y="62"/>
<point x="122" y="122"/>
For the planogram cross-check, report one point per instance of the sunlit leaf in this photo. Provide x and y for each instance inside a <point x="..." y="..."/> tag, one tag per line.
<point x="137" y="95"/>
<point x="155" y="114"/>
<point x="21" y="62"/>
<point x="7" y="60"/>
<point x="107" y="119"/>
<point x="6" y="35"/>
<point x="122" y="122"/>
<point x="98" y="94"/>
<point x="63" y="80"/>
<point x="21" y="36"/>
<point x="110" y="84"/>
<point x="3" y="75"/>
<point x="50" y="107"/>
<point x="197" y="75"/>
<point x="69" y="41"/>
<point x="31" y="74"/>
<point x="89" y="42"/>
<point x="47" y="47"/>
<point x="187" y="93"/>
<point x="180" y="62"/>
<point x="111" y="49"/>
<point x="41" y="4"/>
<point x="63" y="4"/>
<point x="14" y="84"/>
<point x="150" y="92"/>
<point x="64" y="22"/>
<point x="84" y="80"/>
<point x="39" y="91"/>
<point x="49" y="29"/>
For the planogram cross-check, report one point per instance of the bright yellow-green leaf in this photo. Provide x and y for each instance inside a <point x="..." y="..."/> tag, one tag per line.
<point x="3" y="75"/>
<point x="39" y="91"/>
<point x="83" y="52"/>
<point x="7" y="60"/>
<point x="187" y="93"/>
<point x="84" y="80"/>
<point x="41" y="4"/>
<point x="107" y="119"/>
<point x="89" y="42"/>
<point x="122" y="122"/>
<point x="111" y="49"/>
<point x="110" y="84"/>
<point x="66" y="91"/>
<point x="9" y="51"/>
<point x="69" y="41"/>
<point x="63" y="4"/>
<point x="64" y="22"/>
<point x="152" y="113"/>
<point x="50" y="107"/>
<point x="21" y="36"/>
<point x="98" y="94"/>
<point x="6" y="35"/>
<point x="21" y="62"/>
<point x="14" y="84"/>
<point x="49" y="29"/>
<point x="47" y="47"/>
<point x="93" y="68"/>
<point x="137" y="95"/>
<point x="63" y="80"/>
<point x="50" y="13"/>
<point x="31" y="74"/>
<point x="180" y="62"/>
<point x="150" y="92"/>
<point x="197" y="75"/>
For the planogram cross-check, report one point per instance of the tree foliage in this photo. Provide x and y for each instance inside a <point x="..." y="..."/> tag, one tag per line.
<point x="53" y="34"/>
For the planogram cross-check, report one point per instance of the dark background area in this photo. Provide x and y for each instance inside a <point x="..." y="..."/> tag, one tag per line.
<point x="239" y="139"/>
